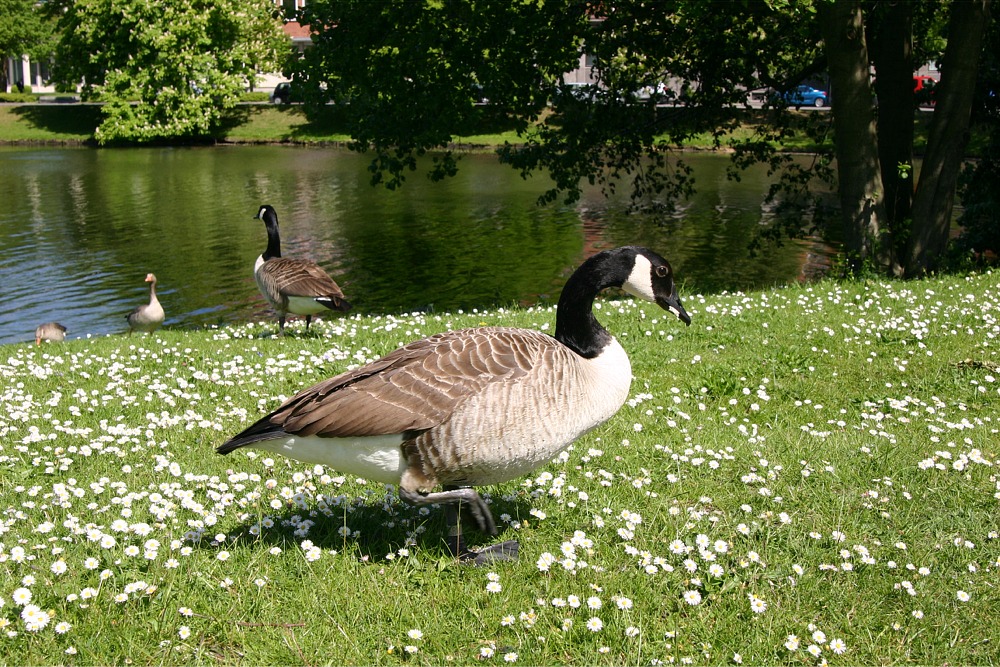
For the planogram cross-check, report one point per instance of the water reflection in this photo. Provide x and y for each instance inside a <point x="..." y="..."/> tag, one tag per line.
<point x="82" y="227"/>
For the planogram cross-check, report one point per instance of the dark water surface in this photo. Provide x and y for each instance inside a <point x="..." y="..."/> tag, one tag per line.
<point x="80" y="228"/>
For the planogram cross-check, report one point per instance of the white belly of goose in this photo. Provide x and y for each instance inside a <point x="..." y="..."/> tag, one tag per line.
<point x="306" y="305"/>
<point x="377" y="459"/>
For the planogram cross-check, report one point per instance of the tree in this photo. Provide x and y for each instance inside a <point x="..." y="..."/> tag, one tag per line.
<point x="980" y="183"/>
<point x="932" y="205"/>
<point x="164" y="68"/>
<point x="407" y="76"/>
<point x="23" y="30"/>
<point x="861" y="200"/>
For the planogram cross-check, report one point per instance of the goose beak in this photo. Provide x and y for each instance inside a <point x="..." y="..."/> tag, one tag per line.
<point x="672" y="304"/>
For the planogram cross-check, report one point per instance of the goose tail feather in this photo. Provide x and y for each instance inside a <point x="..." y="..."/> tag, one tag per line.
<point x="261" y="430"/>
<point x="334" y="303"/>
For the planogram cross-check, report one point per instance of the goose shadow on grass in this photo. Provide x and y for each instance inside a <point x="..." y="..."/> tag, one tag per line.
<point x="378" y="524"/>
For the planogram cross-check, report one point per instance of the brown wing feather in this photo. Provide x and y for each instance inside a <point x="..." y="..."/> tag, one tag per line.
<point x="300" y="277"/>
<point x="415" y="387"/>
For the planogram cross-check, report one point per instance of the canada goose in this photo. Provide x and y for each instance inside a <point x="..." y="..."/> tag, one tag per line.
<point x="147" y="317"/>
<point x="296" y="286"/>
<point x="52" y="331"/>
<point x="474" y="406"/>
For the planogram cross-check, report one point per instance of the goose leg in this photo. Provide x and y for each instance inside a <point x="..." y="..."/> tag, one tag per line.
<point x="309" y="319"/>
<point x="452" y="498"/>
<point x="281" y="324"/>
<point x="504" y="551"/>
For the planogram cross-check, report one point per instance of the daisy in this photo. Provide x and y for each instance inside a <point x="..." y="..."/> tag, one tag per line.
<point x="692" y="597"/>
<point x="838" y="646"/>
<point x="21" y="596"/>
<point x="63" y="627"/>
<point x="545" y="561"/>
<point x="792" y="643"/>
<point x="594" y="624"/>
<point x="757" y="605"/>
<point x="962" y="596"/>
<point x="493" y="587"/>
<point x="415" y="634"/>
<point x="510" y="657"/>
<point x="184" y="632"/>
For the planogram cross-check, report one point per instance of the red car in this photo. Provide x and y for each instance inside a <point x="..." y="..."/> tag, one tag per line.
<point x="923" y="90"/>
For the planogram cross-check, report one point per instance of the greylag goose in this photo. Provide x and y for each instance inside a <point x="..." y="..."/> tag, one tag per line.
<point x="296" y="286"/>
<point x="51" y="331"/>
<point x="474" y="406"/>
<point x="147" y="317"/>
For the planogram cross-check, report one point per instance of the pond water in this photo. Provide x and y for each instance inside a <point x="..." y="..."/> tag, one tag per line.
<point x="81" y="227"/>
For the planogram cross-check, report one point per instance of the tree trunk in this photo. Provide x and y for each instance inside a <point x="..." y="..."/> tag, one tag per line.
<point x="890" y="37"/>
<point x="862" y="208"/>
<point x="949" y="134"/>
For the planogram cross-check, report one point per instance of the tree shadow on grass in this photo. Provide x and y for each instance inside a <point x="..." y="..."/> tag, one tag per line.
<point x="58" y="119"/>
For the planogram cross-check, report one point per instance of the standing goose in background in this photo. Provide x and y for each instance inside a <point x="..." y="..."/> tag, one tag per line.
<point x="147" y="317"/>
<point x="296" y="286"/>
<point x="474" y="406"/>
<point x="51" y="331"/>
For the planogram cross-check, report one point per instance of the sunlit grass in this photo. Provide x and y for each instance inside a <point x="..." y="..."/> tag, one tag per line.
<point x="804" y="475"/>
<point x="267" y="123"/>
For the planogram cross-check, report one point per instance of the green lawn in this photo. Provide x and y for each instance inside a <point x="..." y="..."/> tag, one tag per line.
<point x="804" y="475"/>
<point x="267" y="123"/>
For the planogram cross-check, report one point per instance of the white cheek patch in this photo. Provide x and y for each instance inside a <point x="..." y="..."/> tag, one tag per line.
<point x="640" y="281"/>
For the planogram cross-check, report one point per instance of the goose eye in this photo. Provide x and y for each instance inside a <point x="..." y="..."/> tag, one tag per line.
<point x="662" y="271"/>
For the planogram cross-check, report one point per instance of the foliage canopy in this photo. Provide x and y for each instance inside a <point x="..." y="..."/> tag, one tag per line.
<point x="23" y="30"/>
<point x="185" y="63"/>
<point x="411" y="75"/>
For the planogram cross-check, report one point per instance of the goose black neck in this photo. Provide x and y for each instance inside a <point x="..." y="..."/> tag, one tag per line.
<point x="576" y="326"/>
<point x="273" y="249"/>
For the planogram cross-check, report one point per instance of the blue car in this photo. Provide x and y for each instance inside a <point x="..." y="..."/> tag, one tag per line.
<point x="806" y="96"/>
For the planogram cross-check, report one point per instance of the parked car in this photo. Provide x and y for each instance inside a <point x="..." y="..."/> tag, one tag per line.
<point x="923" y="90"/>
<point x="282" y="93"/>
<point x="806" y="96"/>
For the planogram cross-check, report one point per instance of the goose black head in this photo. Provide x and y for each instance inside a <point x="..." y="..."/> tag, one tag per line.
<point x="270" y="218"/>
<point x="651" y="278"/>
<point x="267" y="214"/>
